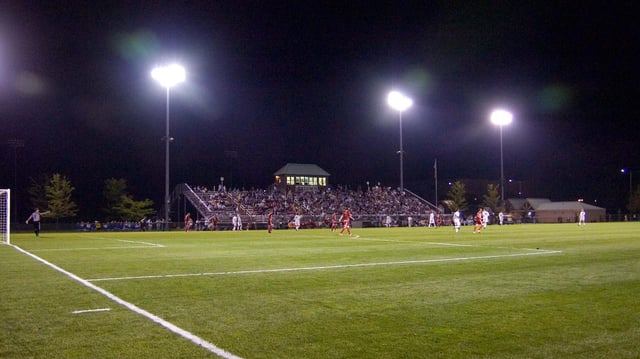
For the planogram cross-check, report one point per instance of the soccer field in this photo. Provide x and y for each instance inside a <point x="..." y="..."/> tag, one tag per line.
<point x="521" y="291"/>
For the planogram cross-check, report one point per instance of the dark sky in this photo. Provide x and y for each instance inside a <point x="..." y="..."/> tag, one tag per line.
<point x="272" y="82"/>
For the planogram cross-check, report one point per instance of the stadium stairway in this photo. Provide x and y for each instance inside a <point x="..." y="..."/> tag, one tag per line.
<point x="206" y="211"/>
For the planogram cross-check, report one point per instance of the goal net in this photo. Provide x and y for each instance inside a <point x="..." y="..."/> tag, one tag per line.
<point x="5" y="200"/>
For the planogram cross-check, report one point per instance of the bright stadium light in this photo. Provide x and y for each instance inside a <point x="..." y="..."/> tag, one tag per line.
<point x="625" y="170"/>
<point x="501" y="118"/>
<point x="400" y="103"/>
<point x="168" y="76"/>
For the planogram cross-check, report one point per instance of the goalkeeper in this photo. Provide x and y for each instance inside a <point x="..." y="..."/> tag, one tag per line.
<point x="35" y="218"/>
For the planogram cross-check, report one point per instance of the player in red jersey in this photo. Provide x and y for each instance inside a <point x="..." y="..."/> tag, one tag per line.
<point x="334" y="222"/>
<point x="269" y="221"/>
<point x="477" y="221"/>
<point x="214" y="222"/>
<point x="187" y="222"/>
<point x="346" y="219"/>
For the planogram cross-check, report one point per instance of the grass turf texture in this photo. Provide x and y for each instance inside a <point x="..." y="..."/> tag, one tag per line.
<point x="534" y="291"/>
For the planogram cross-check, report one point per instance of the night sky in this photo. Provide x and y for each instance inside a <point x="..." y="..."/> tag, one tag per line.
<point x="274" y="82"/>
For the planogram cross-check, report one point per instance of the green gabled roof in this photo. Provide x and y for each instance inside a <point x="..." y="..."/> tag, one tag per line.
<point x="301" y="169"/>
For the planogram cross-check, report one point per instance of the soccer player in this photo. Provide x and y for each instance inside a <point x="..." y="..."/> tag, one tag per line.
<point x="239" y="222"/>
<point x="346" y="219"/>
<point x="501" y="217"/>
<point x="214" y="222"/>
<point x="388" y="222"/>
<point x="432" y="219"/>
<point x="269" y="221"/>
<point x="234" y="222"/>
<point x="485" y="218"/>
<point x="582" y="217"/>
<point x="456" y="220"/>
<point x="334" y="222"/>
<point x="477" y="221"/>
<point x="296" y="221"/>
<point x="143" y="224"/>
<point x="35" y="217"/>
<point x="188" y="222"/>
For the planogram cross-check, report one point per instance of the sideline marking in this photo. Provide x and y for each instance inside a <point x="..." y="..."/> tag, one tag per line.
<point x="173" y="328"/>
<point x="91" y="310"/>
<point x="339" y="266"/>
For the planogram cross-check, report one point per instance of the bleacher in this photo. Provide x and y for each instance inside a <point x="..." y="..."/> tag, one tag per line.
<point x="316" y="206"/>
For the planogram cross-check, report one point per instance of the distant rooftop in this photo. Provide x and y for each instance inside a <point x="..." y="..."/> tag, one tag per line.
<point x="301" y="169"/>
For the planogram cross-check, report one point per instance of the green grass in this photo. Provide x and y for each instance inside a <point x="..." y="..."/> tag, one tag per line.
<point x="524" y="291"/>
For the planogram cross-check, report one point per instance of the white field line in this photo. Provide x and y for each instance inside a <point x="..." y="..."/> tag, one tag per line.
<point x="146" y="243"/>
<point x="124" y="240"/>
<point x="339" y="266"/>
<point x="444" y="244"/>
<point x="91" y="310"/>
<point x="411" y="242"/>
<point x="143" y="246"/>
<point x="173" y="328"/>
<point x="90" y="249"/>
<point x="451" y="244"/>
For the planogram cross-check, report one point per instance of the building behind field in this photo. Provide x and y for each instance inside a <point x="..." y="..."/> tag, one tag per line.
<point x="543" y="210"/>
<point x="302" y="176"/>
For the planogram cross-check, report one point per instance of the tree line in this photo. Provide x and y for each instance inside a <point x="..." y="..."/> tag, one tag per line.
<point x="457" y="198"/>
<point x="55" y="194"/>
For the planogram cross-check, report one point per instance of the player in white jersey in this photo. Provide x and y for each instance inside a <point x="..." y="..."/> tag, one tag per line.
<point x="456" y="220"/>
<point x="296" y="221"/>
<point x="485" y="218"/>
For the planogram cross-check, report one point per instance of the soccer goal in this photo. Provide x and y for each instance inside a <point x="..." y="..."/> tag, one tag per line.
<point x="5" y="204"/>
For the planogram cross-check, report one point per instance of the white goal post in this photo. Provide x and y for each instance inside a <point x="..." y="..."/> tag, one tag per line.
<point x="5" y="209"/>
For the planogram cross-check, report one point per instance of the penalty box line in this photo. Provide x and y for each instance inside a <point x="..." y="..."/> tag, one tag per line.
<point x="171" y="327"/>
<point x="339" y="266"/>
<point x="445" y="244"/>
<point x="137" y="245"/>
<point x="128" y="241"/>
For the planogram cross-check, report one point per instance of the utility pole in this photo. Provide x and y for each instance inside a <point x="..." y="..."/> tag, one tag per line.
<point x="15" y="144"/>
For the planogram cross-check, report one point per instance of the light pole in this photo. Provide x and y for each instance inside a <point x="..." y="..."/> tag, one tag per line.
<point x="15" y="144"/>
<point x="400" y="103"/>
<point x="625" y="170"/>
<point x="501" y="118"/>
<point x="168" y="76"/>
